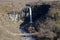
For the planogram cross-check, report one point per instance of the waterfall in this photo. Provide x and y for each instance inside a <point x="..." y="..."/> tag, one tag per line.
<point x="30" y="12"/>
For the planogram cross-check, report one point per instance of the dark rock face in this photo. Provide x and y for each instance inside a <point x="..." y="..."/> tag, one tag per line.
<point x="39" y="12"/>
<point x="39" y="16"/>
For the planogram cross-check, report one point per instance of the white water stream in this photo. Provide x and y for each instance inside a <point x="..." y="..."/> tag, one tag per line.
<point x="30" y="12"/>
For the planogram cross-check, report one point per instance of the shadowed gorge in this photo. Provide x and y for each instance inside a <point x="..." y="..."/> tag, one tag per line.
<point x="39" y="12"/>
<point x="15" y="23"/>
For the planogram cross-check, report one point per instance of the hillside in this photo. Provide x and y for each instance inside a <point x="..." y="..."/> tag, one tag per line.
<point x="7" y="26"/>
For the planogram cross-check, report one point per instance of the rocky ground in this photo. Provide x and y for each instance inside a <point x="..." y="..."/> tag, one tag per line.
<point x="8" y="27"/>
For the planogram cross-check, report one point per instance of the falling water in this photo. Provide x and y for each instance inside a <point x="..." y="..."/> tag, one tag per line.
<point x="30" y="12"/>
